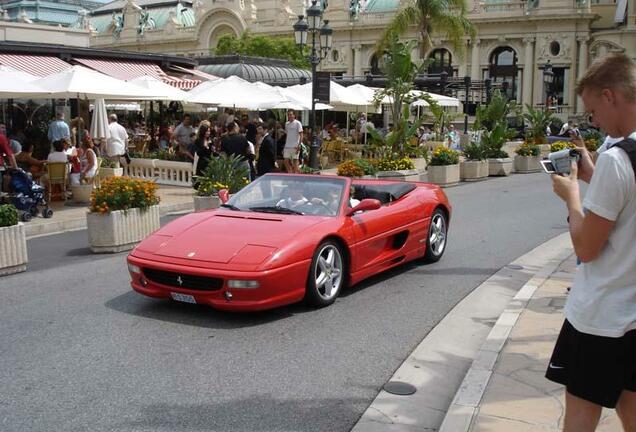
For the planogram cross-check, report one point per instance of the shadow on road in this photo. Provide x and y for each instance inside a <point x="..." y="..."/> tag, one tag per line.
<point x="258" y="413"/>
<point x="197" y="315"/>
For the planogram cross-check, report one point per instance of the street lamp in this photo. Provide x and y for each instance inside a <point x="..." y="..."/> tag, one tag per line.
<point x="548" y="79"/>
<point x="321" y="43"/>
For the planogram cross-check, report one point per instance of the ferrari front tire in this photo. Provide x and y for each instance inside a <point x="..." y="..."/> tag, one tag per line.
<point x="436" y="237"/>
<point x="326" y="274"/>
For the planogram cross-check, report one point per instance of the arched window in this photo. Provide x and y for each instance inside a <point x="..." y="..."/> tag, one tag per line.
<point x="375" y="65"/>
<point x="442" y="60"/>
<point x="503" y="68"/>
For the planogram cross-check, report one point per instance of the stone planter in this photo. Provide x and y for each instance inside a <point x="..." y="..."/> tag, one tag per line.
<point x="499" y="166"/>
<point x="105" y="173"/>
<point x="120" y="230"/>
<point x="399" y="175"/>
<point x="472" y="170"/>
<point x="13" y="249"/>
<point x="443" y="175"/>
<point x="527" y="164"/>
<point x="420" y="164"/>
<point x="82" y="193"/>
<point x="206" y="202"/>
<point x="544" y="149"/>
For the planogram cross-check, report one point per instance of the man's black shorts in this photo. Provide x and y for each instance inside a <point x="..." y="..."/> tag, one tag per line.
<point x="594" y="368"/>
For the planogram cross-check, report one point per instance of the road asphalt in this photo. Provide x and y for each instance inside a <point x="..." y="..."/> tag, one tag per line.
<point x="81" y="351"/>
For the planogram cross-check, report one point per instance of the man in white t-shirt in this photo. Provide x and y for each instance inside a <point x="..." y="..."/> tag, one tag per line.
<point x="183" y="135"/>
<point x="595" y="354"/>
<point x="117" y="144"/>
<point x="291" y="153"/>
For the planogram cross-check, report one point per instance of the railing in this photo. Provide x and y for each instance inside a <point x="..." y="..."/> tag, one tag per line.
<point x="525" y="7"/>
<point x="161" y="171"/>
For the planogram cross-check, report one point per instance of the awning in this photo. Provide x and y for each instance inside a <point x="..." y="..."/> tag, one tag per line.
<point x="34" y="64"/>
<point x="128" y="70"/>
<point x="195" y="72"/>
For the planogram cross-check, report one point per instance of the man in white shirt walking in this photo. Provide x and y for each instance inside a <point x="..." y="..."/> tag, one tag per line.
<point x="595" y="354"/>
<point x="117" y="144"/>
<point x="294" y="135"/>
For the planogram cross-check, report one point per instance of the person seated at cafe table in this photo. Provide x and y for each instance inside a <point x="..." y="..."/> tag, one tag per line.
<point x="88" y="161"/>
<point x="27" y="162"/>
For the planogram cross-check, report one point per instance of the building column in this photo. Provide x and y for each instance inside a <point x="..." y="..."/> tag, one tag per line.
<point x="475" y="72"/>
<point x="582" y="67"/>
<point x="357" y="60"/>
<point x="462" y="66"/>
<point x="528" y="71"/>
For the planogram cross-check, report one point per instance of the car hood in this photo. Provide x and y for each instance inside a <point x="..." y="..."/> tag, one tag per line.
<point x="224" y="236"/>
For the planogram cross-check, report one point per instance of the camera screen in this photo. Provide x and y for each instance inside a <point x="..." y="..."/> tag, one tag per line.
<point x="548" y="166"/>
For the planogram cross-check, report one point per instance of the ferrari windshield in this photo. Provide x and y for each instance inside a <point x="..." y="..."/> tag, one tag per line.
<point x="287" y="194"/>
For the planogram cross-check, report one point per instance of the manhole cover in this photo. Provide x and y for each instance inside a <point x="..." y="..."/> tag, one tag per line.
<point x="399" y="388"/>
<point x="514" y="267"/>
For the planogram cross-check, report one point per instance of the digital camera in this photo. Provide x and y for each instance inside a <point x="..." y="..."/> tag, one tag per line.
<point x="560" y="162"/>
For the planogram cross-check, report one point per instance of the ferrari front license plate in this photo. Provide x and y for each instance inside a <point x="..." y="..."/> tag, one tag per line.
<point x="186" y="298"/>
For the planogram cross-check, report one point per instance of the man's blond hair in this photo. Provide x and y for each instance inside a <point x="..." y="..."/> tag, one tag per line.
<point x="616" y="72"/>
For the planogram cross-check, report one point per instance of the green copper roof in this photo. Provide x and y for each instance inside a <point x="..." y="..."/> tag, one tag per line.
<point x="159" y="16"/>
<point x="381" y="5"/>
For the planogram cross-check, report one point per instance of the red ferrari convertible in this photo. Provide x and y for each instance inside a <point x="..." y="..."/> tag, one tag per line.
<point x="285" y="238"/>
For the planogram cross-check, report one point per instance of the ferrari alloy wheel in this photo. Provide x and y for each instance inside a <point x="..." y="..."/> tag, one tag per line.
<point x="326" y="275"/>
<point x="436" y="241"/>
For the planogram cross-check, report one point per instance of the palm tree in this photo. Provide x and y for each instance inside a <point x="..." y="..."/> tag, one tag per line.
<point x="445" y="16"/>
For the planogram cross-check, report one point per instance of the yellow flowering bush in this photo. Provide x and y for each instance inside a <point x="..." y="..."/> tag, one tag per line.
<point x="526" y="149"/>
<point x="561" y="145"/>
<point x="444" y="156"/>
<point x="123" y="193"/>
<point x="357" y="168"/>
<point x="389" y="164"/>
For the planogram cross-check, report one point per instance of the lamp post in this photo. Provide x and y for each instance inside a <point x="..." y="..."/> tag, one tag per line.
<point x="467" y="82"/>
<point x="322" y="35"/>
<point x="548" y="79"/>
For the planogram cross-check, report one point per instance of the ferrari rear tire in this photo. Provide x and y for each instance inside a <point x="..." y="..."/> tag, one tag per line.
<point x="326" y="274"/>
<point x="436" y="238"/>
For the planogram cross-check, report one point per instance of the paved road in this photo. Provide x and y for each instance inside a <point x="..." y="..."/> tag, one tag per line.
<point x="80" y="352"/>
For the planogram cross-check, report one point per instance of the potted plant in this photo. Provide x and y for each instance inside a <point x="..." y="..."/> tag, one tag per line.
<point x="110" y="168"/>
<point x="492" y="121"/>
<point x="357" y="168"/>
<point x="539" y="120"/>
<point x="122" y="212"/>
<point x="393" y="168"/>
<point x="561" y="145"/>
<point x="221" y="173"/>
<point x="444" y="167"/>
<point x="475" y="167"/>
<point x="13" y="250"/>
<point x="527" y="159"/>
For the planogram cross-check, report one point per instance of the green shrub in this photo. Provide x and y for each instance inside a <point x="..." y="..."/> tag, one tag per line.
<point x="528" y="150"/>
<point x="230" y="172"/>
<point x="8" y="215"/>
<point x="474" y="152"/>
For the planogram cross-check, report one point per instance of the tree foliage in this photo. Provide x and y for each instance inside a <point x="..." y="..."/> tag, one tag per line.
<point x="492" y="119"/>
<point x="447" y="17"/>
<point x="262" y="46"/>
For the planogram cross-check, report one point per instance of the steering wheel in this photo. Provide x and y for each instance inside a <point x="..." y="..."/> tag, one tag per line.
<point x="320" y="208"/>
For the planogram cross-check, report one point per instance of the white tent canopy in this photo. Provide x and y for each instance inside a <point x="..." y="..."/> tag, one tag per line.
<point x="293" y="100"/>
<point x="79" y="81"/>
<point x="235" y="92"/>
<point x="444" y="101"/>
<point x="340" y="98"/>
<point x="18" y="84"/>
<point x="159" y="90"/>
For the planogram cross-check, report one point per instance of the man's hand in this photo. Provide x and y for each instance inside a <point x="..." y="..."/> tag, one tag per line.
<point x="586" y="166"/>
<point x="567" y="188"/>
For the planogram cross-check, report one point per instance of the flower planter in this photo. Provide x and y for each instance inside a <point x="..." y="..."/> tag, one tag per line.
<point x="105" y="173"/>
<point x="443" y="175"/>
<point x="120" y="230"/>
<point x="420" y="164"/>
<point x="544" y="149"/>
<point x="82" y="193"/>
<point x="399" y="175"/>
<point x="472" y="170"/>
<point x="499" y="166"/>
<point x="527" y="164"/>
<point x="206" y="202"/>
<point x="13" y="249"/>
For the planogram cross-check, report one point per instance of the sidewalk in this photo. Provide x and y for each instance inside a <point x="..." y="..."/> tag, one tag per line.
<point x="68" y="216"/>
<point x="517" y="396"/>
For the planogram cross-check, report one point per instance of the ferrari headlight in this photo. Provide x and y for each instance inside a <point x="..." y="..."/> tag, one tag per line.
<point x="235" y="283"/>
<point x="134" y="269"/>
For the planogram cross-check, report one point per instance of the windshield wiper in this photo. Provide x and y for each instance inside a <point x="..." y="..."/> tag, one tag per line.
<point x="231" y="207"/>
<point x="276" y="209"/>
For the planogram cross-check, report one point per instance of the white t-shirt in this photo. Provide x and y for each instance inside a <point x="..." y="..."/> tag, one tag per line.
<point x="602" y="301"/>
<point x="293" y="129"/>
<point x="116" y="144"/>
<point x="291" y="204"/>
<point x="609" y="141"/>
<point x="183" y="134"/>
<point x="57" y="156"/>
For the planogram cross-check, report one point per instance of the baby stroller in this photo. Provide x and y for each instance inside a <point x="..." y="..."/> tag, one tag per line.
<point x="26" y="196"/>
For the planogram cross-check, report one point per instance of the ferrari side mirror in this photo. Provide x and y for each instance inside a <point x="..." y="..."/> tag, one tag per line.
<point x="224" y="195"/>
<point x="364" y="205"/>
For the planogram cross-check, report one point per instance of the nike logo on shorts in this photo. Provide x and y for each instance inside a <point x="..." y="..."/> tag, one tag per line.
<point x="551" y="366"/>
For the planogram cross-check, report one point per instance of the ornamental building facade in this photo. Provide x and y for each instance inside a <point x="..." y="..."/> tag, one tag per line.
<point x="513" y="43"/>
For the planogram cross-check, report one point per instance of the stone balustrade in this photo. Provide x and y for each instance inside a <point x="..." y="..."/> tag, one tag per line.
<point x="160" y="171"/>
